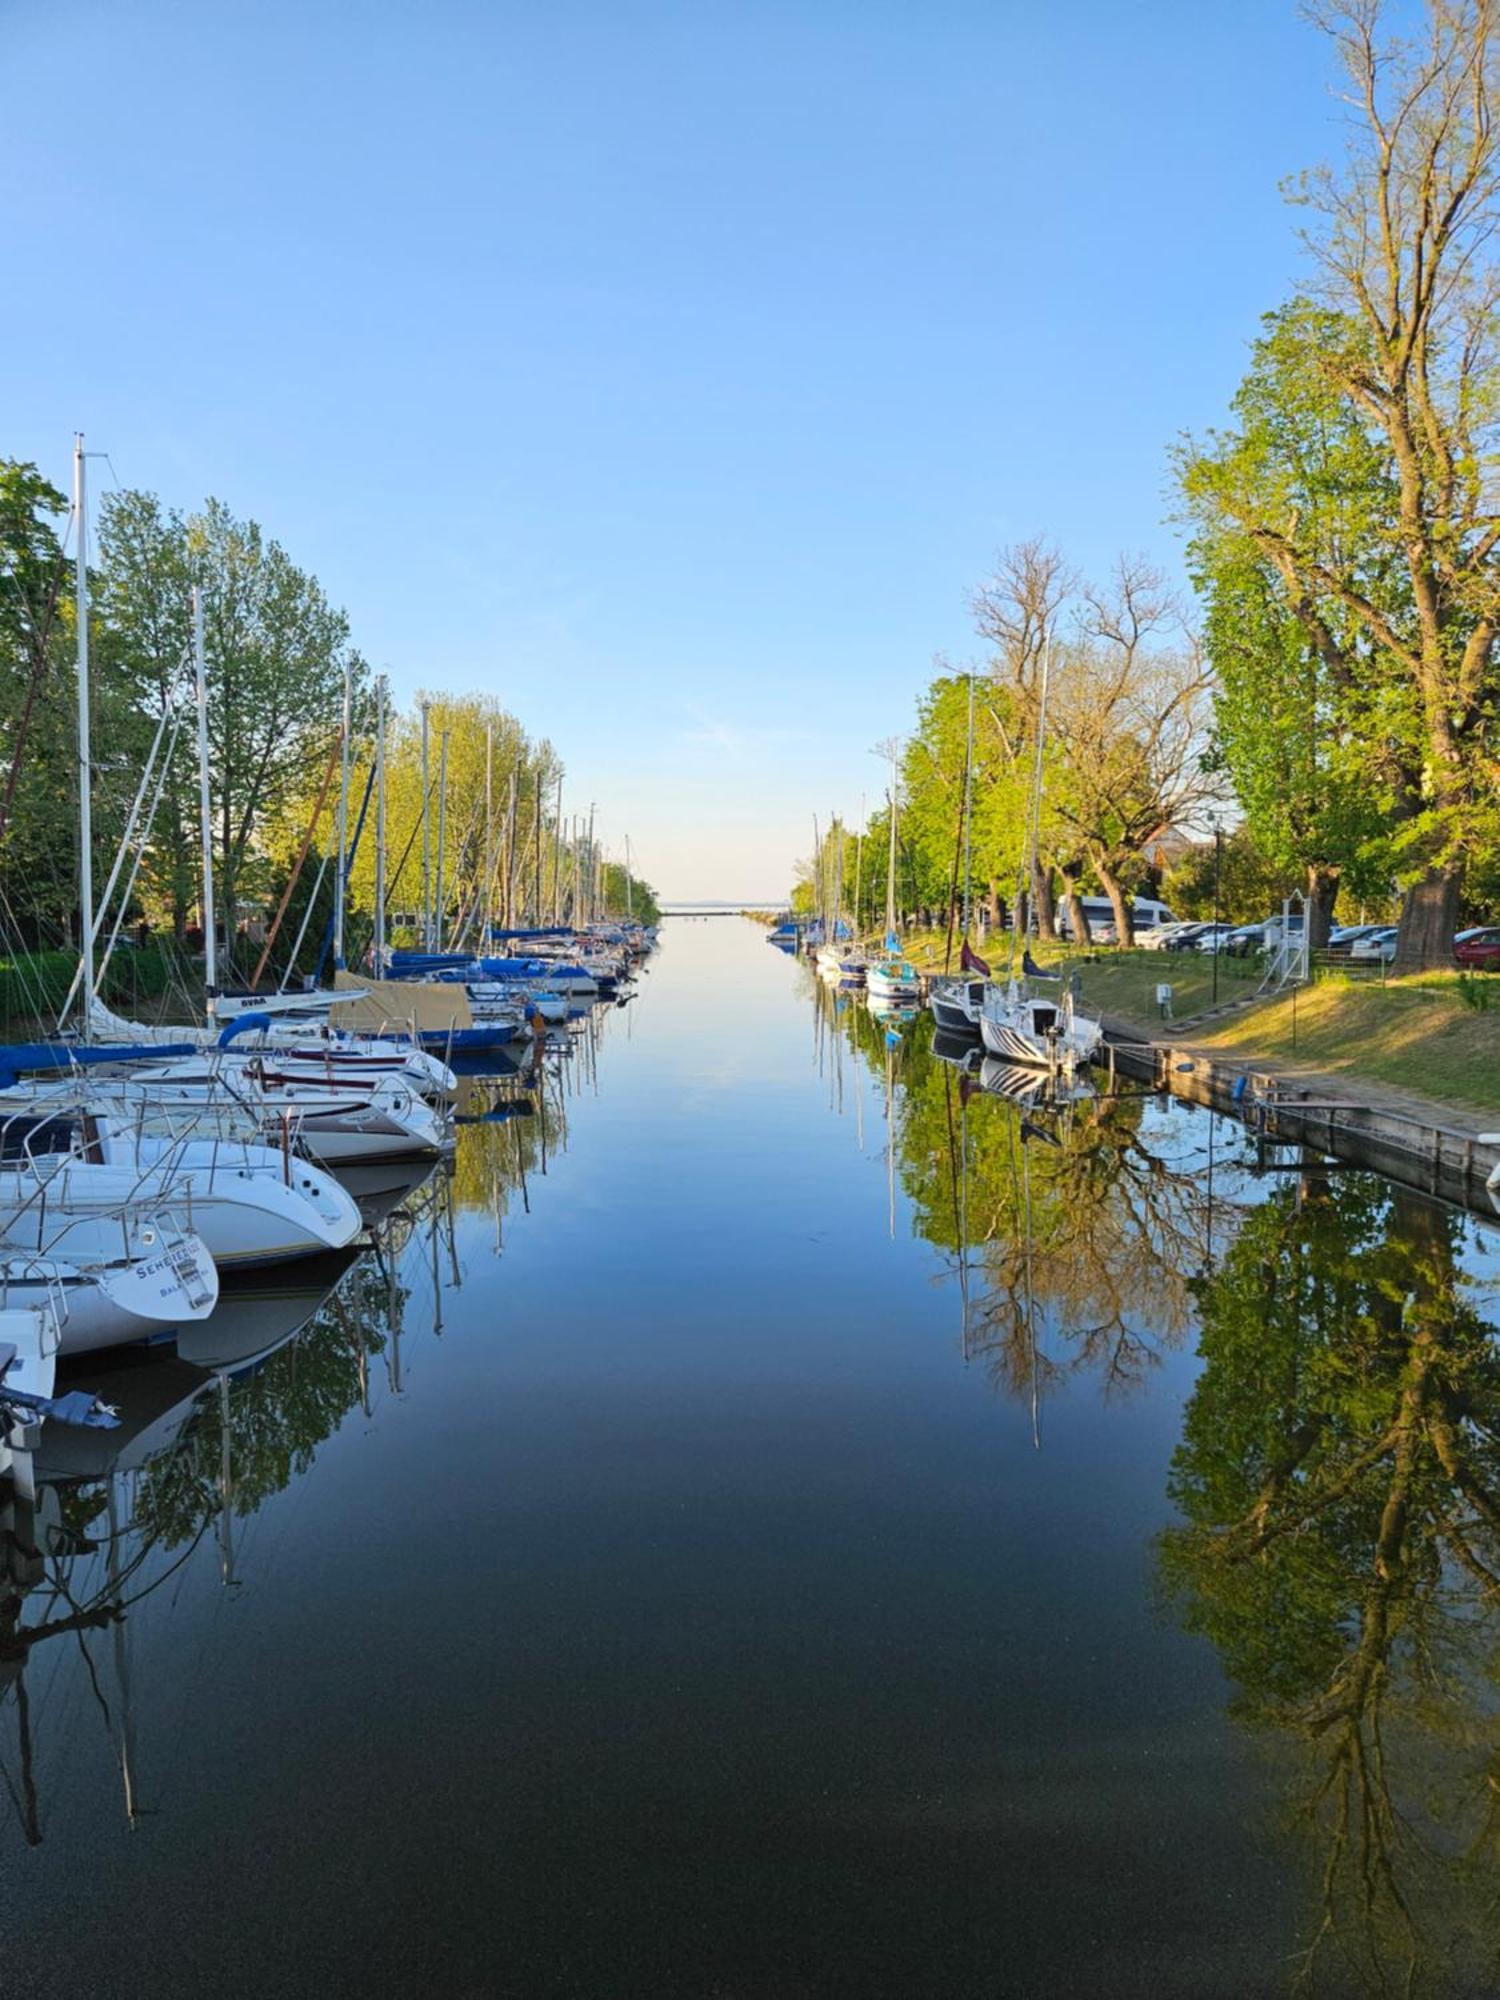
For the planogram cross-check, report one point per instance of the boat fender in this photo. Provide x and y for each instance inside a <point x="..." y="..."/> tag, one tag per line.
<point x="1241" y="1085"/>
<point x="239" y="1024"/>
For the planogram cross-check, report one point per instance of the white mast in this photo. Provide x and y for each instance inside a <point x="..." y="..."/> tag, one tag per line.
<point x="205" y="810"/>
<point x="85" y="775"/>
<point x="487" y="905"/>
<point x="426" y="847"/>
<point x="380" y="827"/>
<point x="338" y="880"/>
<point x="968" y="806"/>
<point x="1029" y="877"/>
<point x="890" y="873"/>
<point x="442" y="833"/>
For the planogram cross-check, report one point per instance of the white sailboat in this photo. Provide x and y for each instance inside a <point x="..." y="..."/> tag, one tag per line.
<point x="892" y="977"/>
<point x="123" y="1278"/>
<point x="248" y="1204"/>
<point x="1015" y="1024"/>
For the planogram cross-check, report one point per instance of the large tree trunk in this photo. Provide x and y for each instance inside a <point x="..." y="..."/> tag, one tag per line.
<point x="1078" y="918"/>
<point x="1429" y="917"/>
<point x="1041" y="902"/>
<point x="1122" y="905"/>
<point x="1322" y="892"/>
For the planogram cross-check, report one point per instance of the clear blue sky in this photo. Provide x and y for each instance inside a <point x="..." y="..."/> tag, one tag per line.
<point x="671" y="370"/>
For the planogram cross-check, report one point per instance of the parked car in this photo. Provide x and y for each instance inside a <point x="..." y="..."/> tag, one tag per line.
<point x="1378" y="944"/>
<point x="1479" y="950"/>
<point x="1214" y="938"/>
<point x="1185" y="936"/>
<point x="1245" y="940"/>
<point x="1160" y="936"/>
<point x="1344" y="937"/>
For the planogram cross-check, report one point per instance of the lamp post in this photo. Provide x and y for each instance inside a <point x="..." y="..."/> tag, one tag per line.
<point x="1218" y="847"/>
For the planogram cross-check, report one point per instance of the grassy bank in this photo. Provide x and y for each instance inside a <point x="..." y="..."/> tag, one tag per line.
<point x="1416" y="1034"/>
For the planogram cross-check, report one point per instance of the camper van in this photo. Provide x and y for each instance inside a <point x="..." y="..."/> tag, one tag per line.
<point x="1101" y="916"/>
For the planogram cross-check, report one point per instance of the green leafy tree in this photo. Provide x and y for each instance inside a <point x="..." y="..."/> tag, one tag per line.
<point x="1314" y="724"/>
<point x="1402" y="230"/>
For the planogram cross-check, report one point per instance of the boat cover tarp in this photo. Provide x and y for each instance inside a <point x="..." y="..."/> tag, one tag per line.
<point x="401" y="1005"/>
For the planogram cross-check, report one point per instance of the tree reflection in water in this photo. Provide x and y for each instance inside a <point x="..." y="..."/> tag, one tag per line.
<point x="1075" y="1230"/>
<point x="1338" y="1477"/>
<point x="1339" y="1482"/>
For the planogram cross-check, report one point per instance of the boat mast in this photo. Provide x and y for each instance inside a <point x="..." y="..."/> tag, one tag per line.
<point x="442" y="833"/>
<point x="859" y="848"/>
<point x="338" y="880"/>
<point x="1034" y="841"/>
<point x="380" y="690"/>
<point x="200" y="679"/>
<point x="426" y="844"/>
<point x="85" y="803"/>
<point x="488" y="905"/>
<point x="557" y="835"/>
<point x="629" y="885"/>
<point x="891" y="939"/>
<point x="968" y="808"/>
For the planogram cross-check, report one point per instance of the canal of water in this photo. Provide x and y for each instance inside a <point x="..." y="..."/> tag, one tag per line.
<point x="787" y="1516"/>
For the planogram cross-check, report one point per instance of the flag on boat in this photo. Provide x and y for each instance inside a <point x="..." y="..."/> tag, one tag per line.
<point x="970" y="961"/>
<point x="1033" y="971"/>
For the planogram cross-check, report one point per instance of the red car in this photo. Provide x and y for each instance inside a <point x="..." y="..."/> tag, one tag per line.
<point x="1479" y="950"/>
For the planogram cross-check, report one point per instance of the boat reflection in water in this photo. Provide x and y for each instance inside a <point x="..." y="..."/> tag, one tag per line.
<point x="206" y="1434"/>
<point x="1336" y="1485"/>
<point x="216" y="1420"/>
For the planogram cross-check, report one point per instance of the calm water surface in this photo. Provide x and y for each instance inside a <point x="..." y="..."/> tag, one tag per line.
<point x="783" y="1520"/>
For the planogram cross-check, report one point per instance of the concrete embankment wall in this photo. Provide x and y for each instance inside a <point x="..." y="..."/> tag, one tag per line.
<point x="1450" y="1161"/>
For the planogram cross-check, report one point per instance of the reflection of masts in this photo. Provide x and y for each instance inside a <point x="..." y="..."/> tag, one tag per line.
<point x="963" y="1216"/>
<point x="454" y="1274"/>
<point x="226" y="1489"/>
<point x="437" y="1282"/>
<point x="393" y="1354"/>
<point x="890" y="1135"/>
<point x="958" y="1185"/>
<point x="1036" y="1394"/>
<point x="120" y="1643"/>
<point x="355" y="1335"/>
<point x="859" y="1113"/>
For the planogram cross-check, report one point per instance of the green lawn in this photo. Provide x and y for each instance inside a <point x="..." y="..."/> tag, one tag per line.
<point x="1414" y="1033"/>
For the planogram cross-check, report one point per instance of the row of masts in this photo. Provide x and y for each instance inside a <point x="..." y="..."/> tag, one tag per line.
<point x="578" y="860"/>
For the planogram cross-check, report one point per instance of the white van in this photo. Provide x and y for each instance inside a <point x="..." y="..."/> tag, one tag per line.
<point x="1100" y="913"/>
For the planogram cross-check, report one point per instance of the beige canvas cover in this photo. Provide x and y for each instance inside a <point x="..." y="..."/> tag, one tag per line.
<point x="400" y="1003"/>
